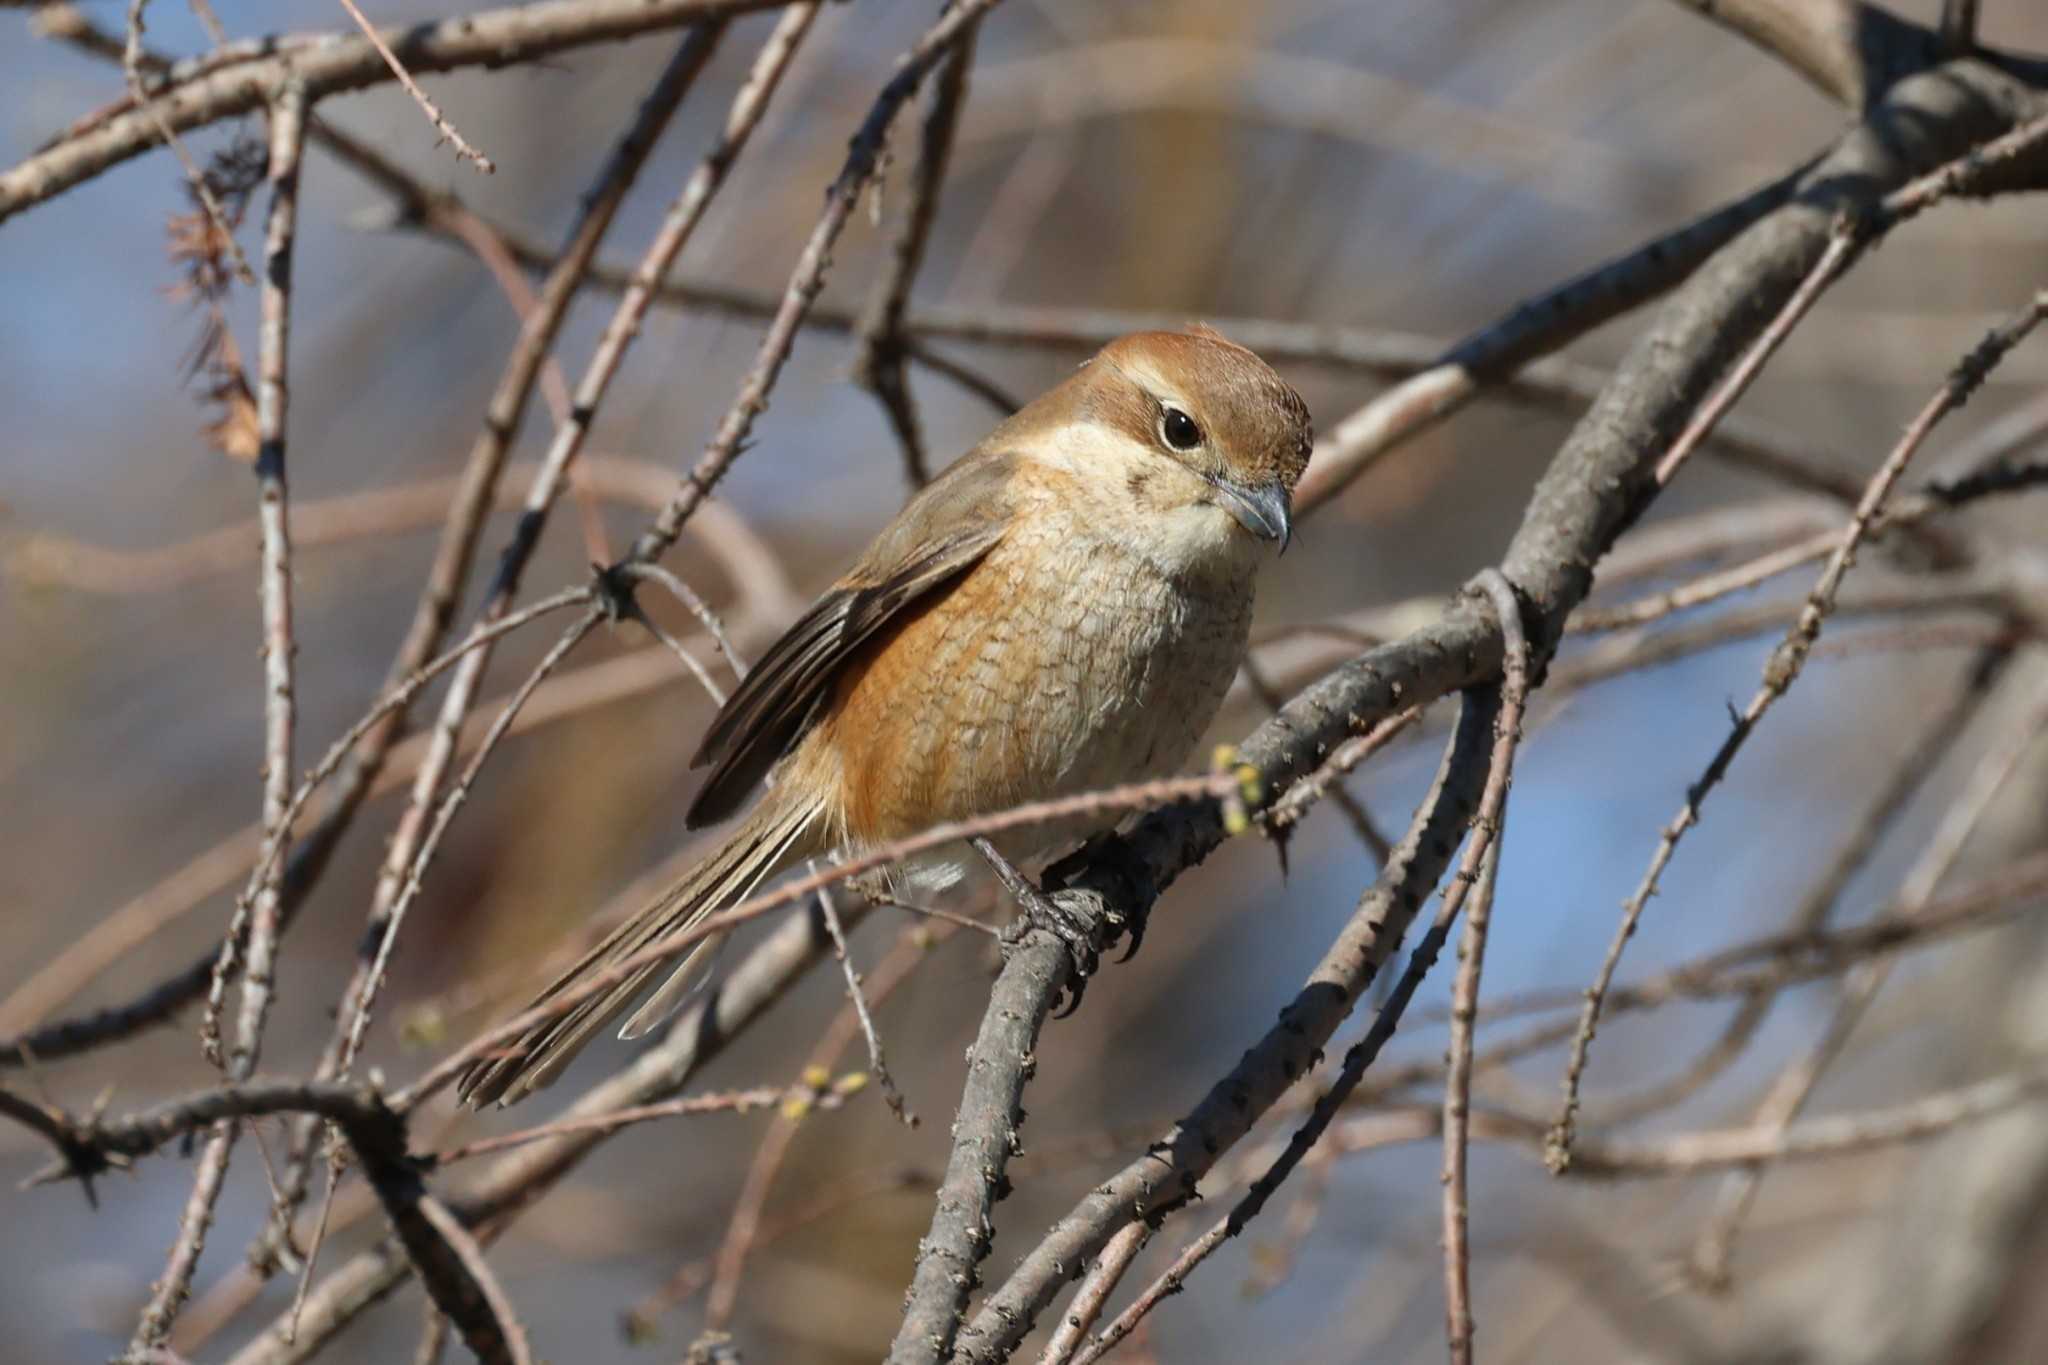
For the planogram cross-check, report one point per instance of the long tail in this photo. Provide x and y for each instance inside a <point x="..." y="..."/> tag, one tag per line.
<point x="773" y="837"/>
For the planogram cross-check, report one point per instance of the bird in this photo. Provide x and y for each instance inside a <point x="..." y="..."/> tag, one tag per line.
<point x="1061" y="609"/>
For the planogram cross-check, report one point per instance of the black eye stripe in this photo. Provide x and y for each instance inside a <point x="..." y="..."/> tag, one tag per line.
<point x="1179" y="429"/>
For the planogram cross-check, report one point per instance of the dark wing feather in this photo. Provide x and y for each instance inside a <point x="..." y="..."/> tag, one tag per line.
<point x="942" y="533"/>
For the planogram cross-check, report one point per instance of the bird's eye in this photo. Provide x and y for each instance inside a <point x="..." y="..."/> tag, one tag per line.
<point x="1180" y="430"/>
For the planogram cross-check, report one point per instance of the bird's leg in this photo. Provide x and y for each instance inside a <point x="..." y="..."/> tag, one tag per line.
<point x="1046" y="913"/>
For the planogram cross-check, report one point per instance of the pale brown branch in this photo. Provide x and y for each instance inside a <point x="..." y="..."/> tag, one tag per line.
<point x="463" y="150"/>
<point x="1089" y="1300"/>
<point x="264" y="915"/>
<point x="238" y="79"/>
<point x="1693" y="1153"/>
<point x="1914" y="1121"/>
<point x="723" y="1102"/>
<point x="1515" y="670"/>
<point x="1535" y="327"/>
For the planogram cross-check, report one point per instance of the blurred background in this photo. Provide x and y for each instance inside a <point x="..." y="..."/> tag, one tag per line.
<point x="1416" y="165"/>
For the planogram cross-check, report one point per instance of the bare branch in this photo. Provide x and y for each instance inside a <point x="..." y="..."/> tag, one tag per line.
<point x="1795" y="1084"/>
<point x="237" y="80"/>
<point x="133" y="66"/>
<point x="1515" y="670"/>
<point x="744" y="1230"/>
<point x="700" y="1033"/>
<point x="879" y="353"/>
<point x="1781" y="671"/>
<point x="808" y="278"/>
<point x="433" y="111"/>
<point x="264" y="919"/>
<point x="1598" y="484"/>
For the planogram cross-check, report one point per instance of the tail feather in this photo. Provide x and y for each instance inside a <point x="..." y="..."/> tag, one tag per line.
<point x="773" y="838"/>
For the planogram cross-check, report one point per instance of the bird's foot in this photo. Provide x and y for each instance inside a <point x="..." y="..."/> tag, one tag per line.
<point x="1042" y="911"/>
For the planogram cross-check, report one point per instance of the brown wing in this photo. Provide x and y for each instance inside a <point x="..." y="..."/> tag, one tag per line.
<point x="939" y="535"/>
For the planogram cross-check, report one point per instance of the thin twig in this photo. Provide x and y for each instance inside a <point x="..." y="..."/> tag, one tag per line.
<point x="236" y="80"/>
<point x="878" y="362"/>
<point x="287" y="140"/>
<point x="1089" y="1300"/>
<point x="1354" y="812"/>
<point x="1795" y="1084"/>
<point x="538" y="328"/>
<point x="700" y="609"/>
<point x="747" y="1229"/>
<point x="828" y="909"/>
<point x="360" y="1005"/>
<point x="1914" y="1121"/>
<point x="433" y="112"/>
<point x="1283" y="814"/>
<point x="1515" y="669"/>
<point x="808" y="278"/>
<point x="132" y="64"/>
<point x="724" y="1102"/>
<point x="287" y="135"/>
<point x="168" y="1294"/>
<point x="510" y="1330"/>
<point x="632" y="609"/>
<point x="1816" y="907"/>
<point x="1833" y="262"/>
<point x="433" y="1338"/>
<point x="312" y="1260"/>
<point x="1694" y="1153"/>
<point x="1780" y="672"/>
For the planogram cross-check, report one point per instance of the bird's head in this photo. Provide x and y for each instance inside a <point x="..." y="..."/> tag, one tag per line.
<point x="1201" y="402"/>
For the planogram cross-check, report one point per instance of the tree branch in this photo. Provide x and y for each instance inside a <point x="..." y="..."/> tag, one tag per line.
<point x="1598" y="484"/>
<point x="333" y="64"/>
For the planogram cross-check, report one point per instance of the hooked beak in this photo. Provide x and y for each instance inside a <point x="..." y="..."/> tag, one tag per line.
<point x="1263" y="509"/>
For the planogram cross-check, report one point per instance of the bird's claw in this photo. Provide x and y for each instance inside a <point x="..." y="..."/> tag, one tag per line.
<point x="1041" y="911"/>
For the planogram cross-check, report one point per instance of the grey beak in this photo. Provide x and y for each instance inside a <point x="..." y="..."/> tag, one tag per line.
<point x="1263" y="510"/>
